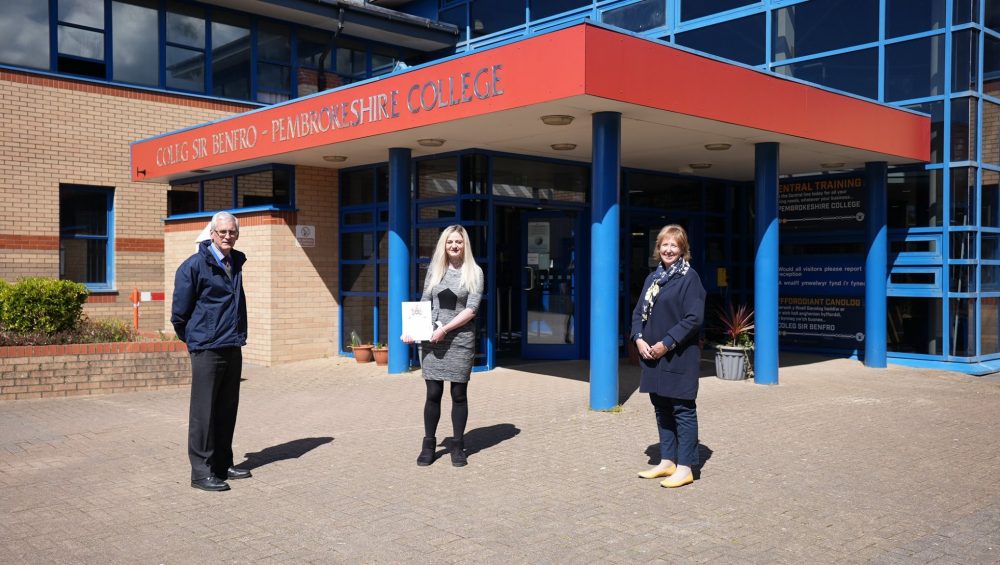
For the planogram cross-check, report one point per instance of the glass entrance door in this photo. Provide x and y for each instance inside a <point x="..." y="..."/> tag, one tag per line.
<point x="549" y="285"/>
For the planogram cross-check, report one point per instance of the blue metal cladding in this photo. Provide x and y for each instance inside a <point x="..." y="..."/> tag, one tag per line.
<point x="876" y="263"/>
<point x="604" y="235"/>
<point x="399" y="255"/>
<point x="766" y="265"/>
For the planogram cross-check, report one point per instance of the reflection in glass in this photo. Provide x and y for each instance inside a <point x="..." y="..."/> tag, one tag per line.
<point x="963" y="129"/>
<point x="855" y="72"/>
<point x="964" y="11"/>
<point x="231" y="56"/>
<point x="545" y="8"/>
<point x="963" y="196"/>
<point x="522" y="178"/>
<point x="183" y="198"/>
<point x="185" y="25"/>
<point x="989" y="332"/>
<point x="964" y="60"/>
<point x="185" y="69"/>
<point x="744" y="41"/>
<point x="691" y="9"/>
<point x="135" y="41"/>
<point x="641" y="16"/>
<point x="437" y="177"/>
<point x="89" y="13"/>
<point x="24" y="34"/>
<point x="490" y="16"/>
<point x="914" y="325"/>
<point x="990" y="209"/>
<point x="914" y="69"/>
<point x="903" y="17"/>
<point x="81" y="43"/>
<point x="963" y="326"/>
<point x="357" y="187"/>
<point x="936" y="111"/>
<point x="822" y="25"/>
<point x="991" y="66"/>
<point x="915" y="198"/>
<point x="963" y="278"/>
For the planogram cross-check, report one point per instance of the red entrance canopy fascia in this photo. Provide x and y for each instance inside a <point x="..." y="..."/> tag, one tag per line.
<point x="580" y="60"/>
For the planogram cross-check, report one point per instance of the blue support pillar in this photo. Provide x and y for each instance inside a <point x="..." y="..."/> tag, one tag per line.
<point x="876" y="265"/>
<point x="399" y="256"/>
<point x="604" y="264"/>
<point x="765" y="294"/>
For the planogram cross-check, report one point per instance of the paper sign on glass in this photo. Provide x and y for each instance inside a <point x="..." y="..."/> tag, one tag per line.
<point x="417" y="320"/>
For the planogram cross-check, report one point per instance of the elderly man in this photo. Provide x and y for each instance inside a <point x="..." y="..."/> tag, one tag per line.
<point x="210" y="315"/>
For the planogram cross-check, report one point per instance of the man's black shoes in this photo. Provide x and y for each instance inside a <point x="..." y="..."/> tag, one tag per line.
<point x="233" y="473"/>
<point x="213" y="484"/>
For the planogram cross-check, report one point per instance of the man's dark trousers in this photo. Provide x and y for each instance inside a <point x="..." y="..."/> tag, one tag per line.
<point x="215" y="398"/>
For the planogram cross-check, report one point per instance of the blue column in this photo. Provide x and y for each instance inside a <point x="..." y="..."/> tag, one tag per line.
<point x="604" y="263"/>
<point x="765" y="266"/>
<point x="876" y="265"/>
<point x="399" y="255"/>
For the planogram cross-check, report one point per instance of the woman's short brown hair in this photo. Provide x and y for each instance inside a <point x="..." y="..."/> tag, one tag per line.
<point x="680" y="237"/>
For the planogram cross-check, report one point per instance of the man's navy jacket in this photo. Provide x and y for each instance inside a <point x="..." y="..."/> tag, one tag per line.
<point x="209" y="309"/>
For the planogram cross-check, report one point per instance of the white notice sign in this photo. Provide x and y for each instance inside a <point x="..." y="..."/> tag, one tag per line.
<point x="305" y="236"/>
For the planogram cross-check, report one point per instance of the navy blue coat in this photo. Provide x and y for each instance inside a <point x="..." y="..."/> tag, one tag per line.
<point x="677" y="316"/>
<point x="209" y="310"/>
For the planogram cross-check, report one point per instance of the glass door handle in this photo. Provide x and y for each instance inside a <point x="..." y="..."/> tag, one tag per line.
<point x="531" y="279"/>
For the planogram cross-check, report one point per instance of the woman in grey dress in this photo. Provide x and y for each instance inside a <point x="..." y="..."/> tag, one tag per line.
<point x="454" y="285"/>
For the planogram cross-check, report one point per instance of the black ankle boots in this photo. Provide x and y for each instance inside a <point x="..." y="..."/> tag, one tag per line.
<point x="427" y="449"/>
<point x="458" y="458"/>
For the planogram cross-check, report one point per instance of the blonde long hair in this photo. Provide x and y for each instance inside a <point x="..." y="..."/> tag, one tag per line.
<point x="472" y="275"/>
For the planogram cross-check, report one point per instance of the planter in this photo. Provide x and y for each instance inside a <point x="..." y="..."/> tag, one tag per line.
<point x="381" y="355"/>
<point x="362" y="353"/>
<point x="731" y="363"/>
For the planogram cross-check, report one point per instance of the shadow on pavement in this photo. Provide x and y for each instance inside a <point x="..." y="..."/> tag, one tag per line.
<point x="704" y="454"/>
<point x="484" y="438"/>
<point x="288" y="450"/>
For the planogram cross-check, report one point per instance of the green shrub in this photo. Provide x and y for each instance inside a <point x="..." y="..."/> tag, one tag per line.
<point x="36" y="304"/>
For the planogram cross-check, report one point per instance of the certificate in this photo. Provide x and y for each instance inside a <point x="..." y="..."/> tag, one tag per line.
<point x="417" y="320"/>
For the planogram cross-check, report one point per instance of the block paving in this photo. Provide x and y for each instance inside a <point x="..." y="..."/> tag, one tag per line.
<point x="836" y="464"/>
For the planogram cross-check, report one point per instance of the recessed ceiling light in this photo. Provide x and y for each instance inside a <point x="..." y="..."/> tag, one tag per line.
<point x="563" y="146"/>
<point x="335" y="158"/>
<point x="717" y="146"/>
<point x="201" y="171"/>
<point x="700" y="165"/>
<point x="431" y="142"/>
<point x="557" y="120"/>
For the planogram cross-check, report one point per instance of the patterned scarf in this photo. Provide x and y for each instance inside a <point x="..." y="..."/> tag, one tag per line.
<point x="679" y="268"/>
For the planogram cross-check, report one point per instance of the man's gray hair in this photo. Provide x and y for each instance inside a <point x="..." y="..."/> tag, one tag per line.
<point x="226" y="216"/>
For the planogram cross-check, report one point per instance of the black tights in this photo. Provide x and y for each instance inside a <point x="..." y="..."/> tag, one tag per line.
<point x="459" y="408"/>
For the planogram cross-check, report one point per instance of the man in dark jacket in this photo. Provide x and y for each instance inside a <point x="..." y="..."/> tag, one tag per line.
<point x="209" y="314"/>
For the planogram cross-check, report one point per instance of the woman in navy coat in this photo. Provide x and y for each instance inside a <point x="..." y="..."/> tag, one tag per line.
<point x="666" y="326"/>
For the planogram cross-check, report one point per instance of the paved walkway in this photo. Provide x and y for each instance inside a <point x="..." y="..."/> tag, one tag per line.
<point x="837" y="464"/>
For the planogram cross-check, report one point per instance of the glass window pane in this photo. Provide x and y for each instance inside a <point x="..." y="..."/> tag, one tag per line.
<point x="437" y="178"/>
<point x="185" y="69"/>
<point x="744" y="39"/>
<point x="456" y="17"/>
<point x="989" y="309"/>
<point x="231" y="56"/>
<point x="383" y="61"/>
<point x="24" y="34"/>
<point x="936" y="112"/>
<point x="474" y="174"/>
<point x="991" y="247"/>
<point x="915" y="199"/>
<point x="81" y="43"/>
<point x="964" y="11"/>
<point x="359" y="316"/>
<point x="904" y="17"/>
<point x="963" y="197"/>
<point x="662" y="192"/>
<point x="84" y="260"/>
<point x="266" y="188"/>
<point x="914" y="69"/>
<point x="218" y="194"/>
<point x="312" y="44"/>
<point x="991" y="65"/>
<point x="356" y="246"/>
<point x="963" y="326"/>
<point x="992" y="19"/>
<point x="185" y="25"/>
<point x="638" y="17"/>
<point x="991" y="204"/>
<point x="963" y="246"/>
<point x="273" y="77"/>
<point x="83" y="212"/>
<point x="691" y="9"/>
<point x="822" y="25"/>
<point x="135" y="42"/>
<point x="436" y="212"/>
<point x="963" y="129"/>
<point x="991" y="134"/>
<point x="274" y="42"/>
<point x="490" y="16"/>
<point x="855" y="72"/>
<point x="964" y="60"/>
<point x="914" y="325"/>
<point x="539" y="180"/>
<point x="183" y="198"/>
<point x="545" y="8"/>
<point x="88" y="13"/>
<point x="357" y="187"/>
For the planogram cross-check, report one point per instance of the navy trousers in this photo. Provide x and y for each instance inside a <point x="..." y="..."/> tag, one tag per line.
<point x="215" y="398"/>
<point x="677" y="422"/>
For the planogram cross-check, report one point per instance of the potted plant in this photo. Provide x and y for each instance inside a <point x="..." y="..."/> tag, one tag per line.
<point x="381" y="353"/>
<point x="362" y="351"/>
<point x="732" y="359"/>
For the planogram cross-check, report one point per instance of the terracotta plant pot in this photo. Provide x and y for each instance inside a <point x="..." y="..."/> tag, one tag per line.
<point x="381" y="355"/>
<point x="362" y="353"/>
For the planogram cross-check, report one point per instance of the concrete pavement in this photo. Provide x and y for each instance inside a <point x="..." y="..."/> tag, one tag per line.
<point x="837" y="464"/>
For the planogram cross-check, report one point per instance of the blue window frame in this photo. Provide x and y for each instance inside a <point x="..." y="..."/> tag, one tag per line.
<point x="80" y="37"/>
<point x="855" y="72"/>
<point x="744" y="39"/>
<point x="817" y="26"/>
<point x="693" y="9"/>
<point x="86" y="242"/>
<point x="914" y="69"/>
<point x="135" y="45"/>
<point x="29" y="47"/>
<point x="186" y="42"/>
<point x="269" y="187"/>
<point x="639" y="17"/>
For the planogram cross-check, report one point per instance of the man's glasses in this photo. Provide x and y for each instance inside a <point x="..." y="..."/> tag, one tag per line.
<point x="227" y="233"/>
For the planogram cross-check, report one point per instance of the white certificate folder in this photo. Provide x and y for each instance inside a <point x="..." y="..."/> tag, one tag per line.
<point x="417" y="320"/>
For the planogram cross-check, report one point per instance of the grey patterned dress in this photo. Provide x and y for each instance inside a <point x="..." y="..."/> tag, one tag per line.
<point x="451" y="358"/>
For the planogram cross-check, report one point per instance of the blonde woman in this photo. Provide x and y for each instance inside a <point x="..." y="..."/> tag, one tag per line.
<point x="454" y="285"/>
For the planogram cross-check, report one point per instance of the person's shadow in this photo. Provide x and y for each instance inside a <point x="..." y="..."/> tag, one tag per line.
<point x="484" y="438"/>
<point x="704" y="454"/>
<point x="288" y="450"/>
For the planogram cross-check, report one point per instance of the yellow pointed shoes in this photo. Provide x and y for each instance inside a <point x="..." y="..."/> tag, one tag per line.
<point x="654" y="474"/>
<point x="674" y="483"/>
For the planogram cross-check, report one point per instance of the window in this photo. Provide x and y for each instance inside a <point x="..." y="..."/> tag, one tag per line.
<point x="691" y="9"/>
<point x="135" y="50"/>
<point x="739" y="40"/>
<point x="641" y="16"/>
<point x="822" y="25"/>
<point x="545" y="8"/>
<point x="964" y="60"/>
<point x="274" y="67"/>
<point x="231" y="55"/>
<point x="963" y="129"/>
<point x="914" y="199"/>
<point x="903" y="17"/>
<point x="270" y="186"/>
<point x="914" y="69"/>
<point x="80" y="37"/>
<point x="185" y="47"/>
<point x="490" y="16"/>
<point x="914" y="325"/>
<point x="963" y="197"/>
<point x="24" y="33"/>
<point x="964" y="11"/>
<point x="936" y="111"/>
<point x="855" y="72"/>
<point x="85" y="227"/>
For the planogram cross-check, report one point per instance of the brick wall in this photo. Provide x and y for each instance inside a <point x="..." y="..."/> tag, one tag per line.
<point x="58" y="130"/>
<point x="102" y="368"/>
